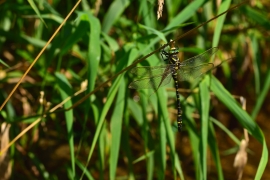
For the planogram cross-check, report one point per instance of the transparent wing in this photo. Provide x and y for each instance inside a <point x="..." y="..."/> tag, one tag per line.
<point x="148" y="71"/>
<point x="186" y="73"/>
<point x="151" y="82"/>
<point x="200" y="59"/>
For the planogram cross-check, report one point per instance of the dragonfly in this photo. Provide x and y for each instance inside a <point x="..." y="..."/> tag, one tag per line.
<point x="154" y="77"/>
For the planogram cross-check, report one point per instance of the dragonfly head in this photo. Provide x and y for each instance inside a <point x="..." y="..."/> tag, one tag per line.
<point x="173" y="50"/>
<point x="166" y="53"/>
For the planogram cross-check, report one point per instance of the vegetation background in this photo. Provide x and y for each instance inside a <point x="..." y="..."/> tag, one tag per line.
<point x="118" y="133"/>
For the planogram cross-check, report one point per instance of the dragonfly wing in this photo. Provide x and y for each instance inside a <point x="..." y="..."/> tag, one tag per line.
<point x="200" y="59"/>
<point x="151" y="82"/>
<point x="187" y="73"/>
<point x="148" y="71"/>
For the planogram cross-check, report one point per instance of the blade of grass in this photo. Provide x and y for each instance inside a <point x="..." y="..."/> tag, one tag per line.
<point x="162" y="149"/>
<point x="3" y="63"/>
<point x="72" y="37"/>
<point x="256" y="62"/>
<point x="256" y="16"/>
<point x="162" y="107"/>
<point x="178" y="167"/>
<point x="116" y="128"/>
<point x="112" y="92"/>
<point x="65" y="91"/>
<point x="226" y="130"/>
<point x="147" y="140"/>
<point x="263" y="161"/>
<point x="154" y="31"/>
<point x="115" y="10"/>
<point x="185" y="34"/>
<point x="223" y="95"/>
<point x="94" y="49"/>
<point x="101" y="150"/>
<point x="220" y="21"/>
<point x="205" y="105"/>
<point x="33" y="5"/>
<point x="147" y="14"/>
<point x="261" y="98"/>
<point x="212" y="141"/>
<point x="81" y="166"/>
<point x="136" y="111"/>
<point x="185" y="14"/>
<point x="150" y="166"/>
<point x="127" y="146"/>
<point x="140" y="115"/>
<point x="194" y="137"/>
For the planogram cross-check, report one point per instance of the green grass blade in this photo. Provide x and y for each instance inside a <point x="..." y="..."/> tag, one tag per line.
<point x="194" y="137"/>
<point x="262" y="96"/>
<point x="116" y="129"/>
<point x="146" y="13"/>
<point x="115" y="10"/>
<point x="244" y="119"/>
<point x="3" y="63"/>
<point x="185" y="14"/>
<point x="65" y="91"/>
<point x="102" y="145"/>
<point x="173" y="7"/>
<point x="127" y="146"/>
<point x="256" y="62"/>
<point x="162" y="150"/>
<point x="73" y="37"/>
<point x="94" y="50"/>
<point x="178" y="167"/>
<point x="144" y="157"/>
<point x="33" y="5"/>
<point x="225" y="5"/>
<point x="263" y="161"/>
<point x="154" y="31"/>
<point x="112" y="92"/>
<point x="256" y="16"/>
<point x="163" y="113"/>
<point x="147" y="139"/>
<point x="150" y="166"/>
<point x="81" y="166"/>
<point x="212" y="141"/>
<point x="205" y="105"/>
<point x="225" y="129"/>
<point x="111" y="42"/>
<point x="224" y="96"/>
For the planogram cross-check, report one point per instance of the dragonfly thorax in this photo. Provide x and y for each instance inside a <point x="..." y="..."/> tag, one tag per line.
<point x="174" y="51"/>
<point x="171" y="55"/>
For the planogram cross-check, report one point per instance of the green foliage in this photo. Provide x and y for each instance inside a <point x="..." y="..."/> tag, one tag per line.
<point x="102" y="132"/>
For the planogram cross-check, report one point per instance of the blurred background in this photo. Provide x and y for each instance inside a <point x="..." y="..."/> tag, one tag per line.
<point x="122" y="133"/>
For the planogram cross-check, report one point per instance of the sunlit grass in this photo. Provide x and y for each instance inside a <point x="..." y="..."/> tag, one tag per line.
<point x="105" y="134"/>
